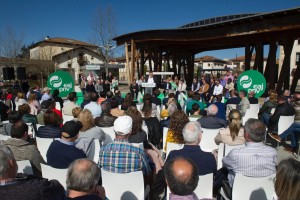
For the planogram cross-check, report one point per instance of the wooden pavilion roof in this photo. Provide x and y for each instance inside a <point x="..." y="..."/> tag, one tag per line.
<point x="231" y="33"/>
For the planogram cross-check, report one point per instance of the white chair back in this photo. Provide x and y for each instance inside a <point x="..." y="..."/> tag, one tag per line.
<point x="57" y="106"/>
<point x="173" y="146"/>
<point x="204" y="190"/>
<point x="208" y="139"/>
<point x="31" y="130"/>
<point x="254" y="107"/>
<point x="4" y="137"/>
<point x="43" y="146"/>
<point x="125" y="186"/>
<point x="94" y="151"/>
<point x="139" y="107"/>
<point x="261" y="188"/>
<point x="52" y="173"/>
<point x="193" y="119"/>
<point x="250" y="113"/>
<point x="109" y="135"/>
<point x="24" y="166"/>
<point x="67" y="118"/>
<point x="284" y="123"/>
<point x="138" y="145"/>
<point x="221" y="150"/>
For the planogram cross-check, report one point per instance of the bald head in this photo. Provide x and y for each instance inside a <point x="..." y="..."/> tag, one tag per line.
<point x="212" y="110"/>
<point x="181" y="175"/>
<point x="83" y="175"/>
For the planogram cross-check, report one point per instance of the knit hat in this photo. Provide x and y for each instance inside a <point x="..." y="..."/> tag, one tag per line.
<point x="72" y="128"/>
<point x="123" y="125"/>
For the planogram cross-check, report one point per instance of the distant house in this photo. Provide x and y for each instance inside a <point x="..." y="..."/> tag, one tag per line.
<point x="240" y="61"/>
<point x="210" y="62"/>
<point x="67" y="54"/>
<point x="295" y="56"/>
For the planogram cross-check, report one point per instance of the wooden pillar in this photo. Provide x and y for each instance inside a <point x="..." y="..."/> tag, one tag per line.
<point x="259" y="57"/>
<point x="142" y="62"/>
<point x="295" y="79"/>
<point x="248" y="56"/>
<point x="150" y="59"/>
<point x="127" y="63"/>
<point x="138" y="65"/>
<point x="132" y="70"/>
<point x="271" y="67"/>
<point x="284" y="77"/>
<point x="190" y="69"/>
<point x="174" y="63"/>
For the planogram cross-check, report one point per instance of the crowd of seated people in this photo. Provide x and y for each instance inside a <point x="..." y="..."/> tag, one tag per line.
<point x="134" y="123"/>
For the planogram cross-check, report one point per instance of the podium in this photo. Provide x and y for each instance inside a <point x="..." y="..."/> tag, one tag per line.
<point x="148" y="87"/>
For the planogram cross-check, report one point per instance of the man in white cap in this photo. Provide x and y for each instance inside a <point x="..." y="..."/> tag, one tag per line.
<point x="120" y="156"/>
<point x="46" y="95"/>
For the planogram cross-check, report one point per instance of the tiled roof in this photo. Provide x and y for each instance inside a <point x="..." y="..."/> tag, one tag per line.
<point x="209" y="59"/>
<point x="64" y="41"/>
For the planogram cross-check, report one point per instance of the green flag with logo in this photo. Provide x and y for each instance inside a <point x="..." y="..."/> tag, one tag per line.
<point x="252" y="80"/>
<point x="62" y="81"/>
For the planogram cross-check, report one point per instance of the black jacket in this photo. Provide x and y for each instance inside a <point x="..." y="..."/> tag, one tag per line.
<point x="284" y="109"/>
<point x="49" y="131"/>
<point x="105" y="120"/>
<point x="212" y="122"/>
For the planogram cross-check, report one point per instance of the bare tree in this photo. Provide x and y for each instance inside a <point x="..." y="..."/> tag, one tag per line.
<point x="104" y="29"/>
<point x="10" y="43"/>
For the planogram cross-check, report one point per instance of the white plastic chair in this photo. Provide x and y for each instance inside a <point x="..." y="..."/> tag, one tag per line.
<point x="52" y="173"/>
<point x="125" y="186"/>
<point x="261" y="188"/>
<point x="4" y="137"/>
<point x="94" y="151"/>
<point x="254" y="107"/>
<point x="220" y="155"/>
<point x="43" y="146"/>
<point x="208" y="143"/>
<point x="110" y="135"/>
<point x="173" y="146"/>
<point x="284" y="123"/>
<point x="67" y="118"/>
<point x="138" y="107"/>
<point x="31" y="130"/>
<point x="250" y="113"/>
<point x="24" y="166"/>
<point x="57" y="106"/>
<point x="138" y="145"/>
<point x="193" y="119"/>
<point x="204" y="190"/>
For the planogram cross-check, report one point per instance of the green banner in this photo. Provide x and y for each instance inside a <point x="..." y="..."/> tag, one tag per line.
<point x="62" y="81"/>
<point x="252" y="80"/>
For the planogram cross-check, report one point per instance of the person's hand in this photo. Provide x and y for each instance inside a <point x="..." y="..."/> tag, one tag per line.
<point x="100" y="191"/>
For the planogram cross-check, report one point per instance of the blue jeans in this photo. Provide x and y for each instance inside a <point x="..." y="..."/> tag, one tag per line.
<point x="293" y="130"/>
<point x="265" y="118"/>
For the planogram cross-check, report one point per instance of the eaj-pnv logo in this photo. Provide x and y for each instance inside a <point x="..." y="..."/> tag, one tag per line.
<point x="252" y="80"/>
<point x="62" y="81"/>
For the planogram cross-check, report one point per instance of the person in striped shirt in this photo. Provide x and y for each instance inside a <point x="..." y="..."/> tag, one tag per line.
<point x="255" y="159"/>
<point x="120" y="156"/>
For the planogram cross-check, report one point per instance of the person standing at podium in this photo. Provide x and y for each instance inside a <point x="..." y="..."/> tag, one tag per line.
<point x="150" y="79"/>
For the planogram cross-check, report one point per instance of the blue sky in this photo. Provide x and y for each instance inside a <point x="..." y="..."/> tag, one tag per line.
<point x="73" y="18"/>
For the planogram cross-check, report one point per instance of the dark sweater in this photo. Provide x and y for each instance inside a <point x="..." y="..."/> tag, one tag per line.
<point x="32" y="188"/>
<point x="85" y="197"/>
<point x="60" y="155"/>
<point x="49" y="131"/>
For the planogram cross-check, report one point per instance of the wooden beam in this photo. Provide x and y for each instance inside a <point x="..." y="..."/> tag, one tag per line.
<point x="285" y="70"/>
<point x="271" y="67"/>
<point x="259" y="57"/>
<point x="132" y="70"/>
<point x="127" y="61"/>
<point x="142" y="62"/>
<point x="248" y="56"/>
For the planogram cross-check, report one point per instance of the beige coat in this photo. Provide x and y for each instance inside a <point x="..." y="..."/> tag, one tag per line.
<point x="225" y="137"/>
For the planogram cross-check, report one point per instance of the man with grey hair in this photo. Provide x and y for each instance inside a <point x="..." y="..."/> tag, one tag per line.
<point x="82" y="180"/>
<point x="211" y="121"/>
<point x="192" y="134"/>
<point x="23" y="186"/>
<point x="255" y="159"/>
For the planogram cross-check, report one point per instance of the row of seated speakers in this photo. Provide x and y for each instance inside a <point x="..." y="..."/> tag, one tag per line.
<point x="9" y="73"/>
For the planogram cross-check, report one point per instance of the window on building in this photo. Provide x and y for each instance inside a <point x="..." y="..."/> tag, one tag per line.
<point x="92" y="58"/>
<point x="69" y="65"/>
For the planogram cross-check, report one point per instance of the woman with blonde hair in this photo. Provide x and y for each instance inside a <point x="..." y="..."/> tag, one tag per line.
<point x="34" y="104"/>
<point x="88" y="132"/>
<point x="20" y="99"/>
<point x="234" y="133"/>
<point x="177" y="121"/>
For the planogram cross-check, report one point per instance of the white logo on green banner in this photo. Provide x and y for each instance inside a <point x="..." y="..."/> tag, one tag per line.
<point x="252" y="80"/>
<point x="62" y="81"/>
